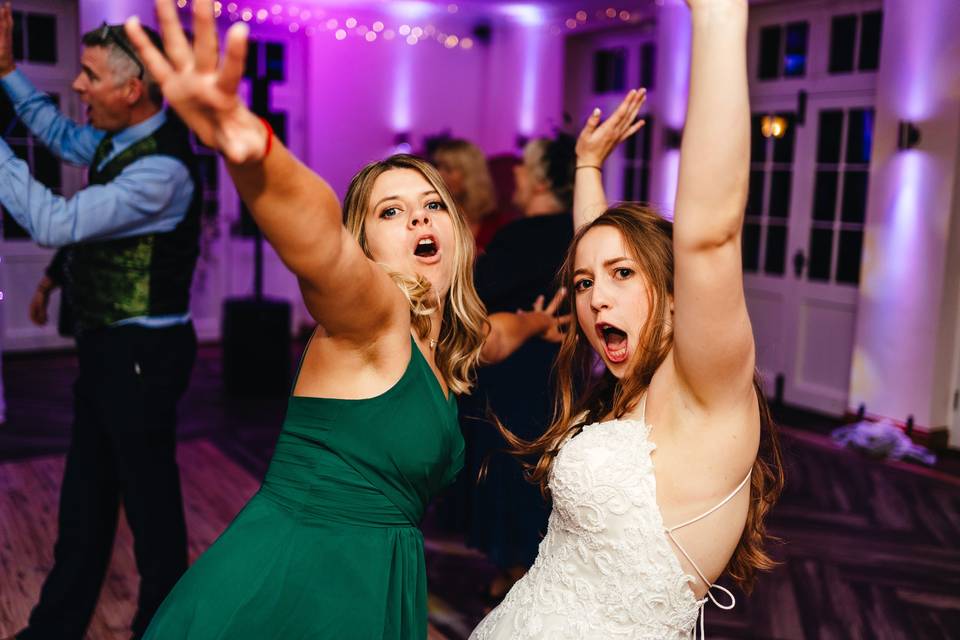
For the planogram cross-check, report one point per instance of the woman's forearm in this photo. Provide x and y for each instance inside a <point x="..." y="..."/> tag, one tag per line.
<point x="296" y="209"/>
<point x="589" y="197"/>
<point x="508" y="332"/>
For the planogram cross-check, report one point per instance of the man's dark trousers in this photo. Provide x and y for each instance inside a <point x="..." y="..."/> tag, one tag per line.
<point x="123" y="448"/>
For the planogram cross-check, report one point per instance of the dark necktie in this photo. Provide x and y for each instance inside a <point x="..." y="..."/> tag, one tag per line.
<point x="103" y="150"/>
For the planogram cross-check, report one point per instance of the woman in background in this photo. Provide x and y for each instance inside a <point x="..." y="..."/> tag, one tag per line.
<point x="464" y="170"/>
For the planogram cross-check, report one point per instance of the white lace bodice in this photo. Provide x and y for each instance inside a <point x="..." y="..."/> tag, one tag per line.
<point x="605" y="569"/>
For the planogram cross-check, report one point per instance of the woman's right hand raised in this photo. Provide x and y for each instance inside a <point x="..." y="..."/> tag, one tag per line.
<point x="202" y="92"/>
<point x="598" y="140"/>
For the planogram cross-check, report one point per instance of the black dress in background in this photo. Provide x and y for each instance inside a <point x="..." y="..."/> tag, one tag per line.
<point x="508" y="516"/>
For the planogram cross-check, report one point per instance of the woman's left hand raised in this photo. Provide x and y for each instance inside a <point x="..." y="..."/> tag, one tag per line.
<point x="598" y="139"/>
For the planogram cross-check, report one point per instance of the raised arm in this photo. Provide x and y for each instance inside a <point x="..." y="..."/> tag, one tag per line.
<point x="594" y="145"/>
<point x="298" y="212"/>
<point x="714" y="350"/>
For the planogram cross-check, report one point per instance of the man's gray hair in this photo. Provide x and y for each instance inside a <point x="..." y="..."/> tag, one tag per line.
<point x="123" y="58"/>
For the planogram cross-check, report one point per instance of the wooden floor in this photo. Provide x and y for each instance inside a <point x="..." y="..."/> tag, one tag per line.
<point x="869" y="549"/>
<point x="214" y="490"/>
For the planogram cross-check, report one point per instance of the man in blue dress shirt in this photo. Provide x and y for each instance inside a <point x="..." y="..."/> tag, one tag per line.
<point x="133" y="237"/>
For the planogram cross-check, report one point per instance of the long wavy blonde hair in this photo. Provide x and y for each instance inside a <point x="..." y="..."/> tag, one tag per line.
<point x="649" y="237"/>
<point x="479" y="198"/>
<point x="463" y="326"/>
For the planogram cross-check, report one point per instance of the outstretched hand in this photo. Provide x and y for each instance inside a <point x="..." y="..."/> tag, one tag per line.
<point x="597" y="140"/>
<point x="554" y="326"/>
<point x="200" y="89"/>
<point x="7" y="63"/>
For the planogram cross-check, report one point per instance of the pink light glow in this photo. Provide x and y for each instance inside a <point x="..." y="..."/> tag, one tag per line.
<point x="919" y="67"/>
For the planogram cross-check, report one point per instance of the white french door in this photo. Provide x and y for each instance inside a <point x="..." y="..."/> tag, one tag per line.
<point x="803" y="241"/>
<point x="46" y="50"/>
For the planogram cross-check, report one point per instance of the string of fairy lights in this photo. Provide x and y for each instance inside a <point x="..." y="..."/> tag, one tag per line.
<point x="318" y="21"/>
<point x="314" y="21"/>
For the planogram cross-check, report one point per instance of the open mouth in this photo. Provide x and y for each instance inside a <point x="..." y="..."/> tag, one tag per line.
<point x="426" y="248"/>
<point x="615" y="341"/>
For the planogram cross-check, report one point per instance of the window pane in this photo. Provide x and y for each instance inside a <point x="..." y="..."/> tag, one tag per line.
<point x="828" y="141"/>
<point x="278" y="122"/>
<point x="755" y="194"/>
<point x="848" y="256"/>
<point x="648" y="57"/>
<point x="629" y="177"/>
<point x="42" y="38"/>
<point x="860" y="136"/>
<point x="250" y="68"/>
<point x="609" y="66"/>
<point x="870" y="41"/>
<point x="795" y="55"/>
<point x="22" y="151"/>
<point x="776" y="249"/>
<point x="843" y="35"/>
<point x="646" y="138"/>
<point x="630" y="148"/>
<point x="821" y="247"/>
<point x="8" y="117"/>
<point x="12" y="230"/>
<point x="854" y="196"/>
<point x="758" y="144"/>
<point x="18" y="36"/>
<point x="783" y="147"/>
<point x="780" y="194"/>
<point x="825" y="196"/>
<point x="46" y="168"/>
<point x="751" y="247"/>
<point x="276" y="66"/>
<point x="769" y="53"/>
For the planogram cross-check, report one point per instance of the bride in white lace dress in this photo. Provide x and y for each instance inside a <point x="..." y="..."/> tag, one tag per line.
<point x="661" y="470"/>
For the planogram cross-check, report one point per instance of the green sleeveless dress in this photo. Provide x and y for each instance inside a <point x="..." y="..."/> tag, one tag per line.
<point x="329" y="546"/>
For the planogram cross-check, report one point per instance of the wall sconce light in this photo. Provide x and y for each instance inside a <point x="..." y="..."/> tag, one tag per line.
<point x="672" y="138"/>
<point x="908" y="135"/>
<point x="772" y="126"/>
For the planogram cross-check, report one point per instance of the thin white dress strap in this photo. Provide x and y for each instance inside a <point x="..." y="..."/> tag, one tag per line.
<point x="710" y="585"/>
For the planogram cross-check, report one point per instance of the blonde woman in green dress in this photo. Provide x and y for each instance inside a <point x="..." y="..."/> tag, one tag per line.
<point x="329" y="547"/>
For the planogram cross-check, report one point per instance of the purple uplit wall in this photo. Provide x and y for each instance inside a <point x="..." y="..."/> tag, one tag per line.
<point x="362" y="97"/>
<point x="94" y="12"/>
<point x="905" y="348"/>
<point x="673" y="72"/>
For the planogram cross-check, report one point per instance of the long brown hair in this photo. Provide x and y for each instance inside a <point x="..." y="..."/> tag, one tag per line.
<point x="581" y="397"/>
<point x="463" y="326"/>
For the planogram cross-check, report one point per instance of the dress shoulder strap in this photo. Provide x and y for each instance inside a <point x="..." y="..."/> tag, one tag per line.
<point x="714" y="508"/>
<point x="303" y="356"/>
<point x="732" y="602"/>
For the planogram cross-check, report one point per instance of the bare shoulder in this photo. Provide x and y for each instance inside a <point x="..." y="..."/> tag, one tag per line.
<point x="334" y="367"/>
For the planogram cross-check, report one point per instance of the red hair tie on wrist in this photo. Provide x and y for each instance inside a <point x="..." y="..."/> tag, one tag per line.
<point x="269" y="137"/>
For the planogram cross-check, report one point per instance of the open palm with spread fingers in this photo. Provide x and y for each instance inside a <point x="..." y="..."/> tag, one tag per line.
<point x="199" y="87"/>
<point x="598" y="139"/>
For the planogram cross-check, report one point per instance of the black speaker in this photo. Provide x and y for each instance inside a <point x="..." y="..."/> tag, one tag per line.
<point x="256" y="346"/>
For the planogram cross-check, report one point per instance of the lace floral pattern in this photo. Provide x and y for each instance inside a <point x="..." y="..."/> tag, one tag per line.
<point x="605" y="569"/>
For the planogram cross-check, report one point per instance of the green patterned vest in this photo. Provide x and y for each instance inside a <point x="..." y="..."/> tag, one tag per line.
<point x="145" y="275"/>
